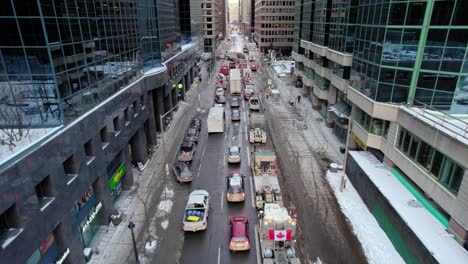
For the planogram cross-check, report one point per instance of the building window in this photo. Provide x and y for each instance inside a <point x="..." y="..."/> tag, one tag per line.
<point x="104" y="137"/>
<point x="116" y="124"/>
<point x="9" y="226"/>
<point x="70" y="168"/>
<point x="441" y="167"/>
<point x="372" y="125"/>
<point x="89" y="151"/>
<point x="127" y="116"/>
<point x="44" y="192"/>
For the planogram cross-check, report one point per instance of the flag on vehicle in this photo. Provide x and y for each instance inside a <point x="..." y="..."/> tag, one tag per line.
<point x="279" y="235"/>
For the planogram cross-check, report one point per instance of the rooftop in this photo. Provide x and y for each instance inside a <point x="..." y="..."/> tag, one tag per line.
<point x="425" y="226"/>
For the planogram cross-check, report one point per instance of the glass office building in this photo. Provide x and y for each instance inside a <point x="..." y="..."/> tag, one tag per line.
<point x="370" y="65"/>
<point x="413" y="52"/>
<point x="61" y="58"/>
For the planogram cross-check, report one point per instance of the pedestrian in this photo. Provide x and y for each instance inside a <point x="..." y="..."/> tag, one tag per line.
<point x="267" y="95"/>
<point x="298" y="99"/>
<point x="199" y="79"/>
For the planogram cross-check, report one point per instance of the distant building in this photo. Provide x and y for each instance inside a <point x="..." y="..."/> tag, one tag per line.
<point x="274" y="25"/>
<point x="233" y="12"/>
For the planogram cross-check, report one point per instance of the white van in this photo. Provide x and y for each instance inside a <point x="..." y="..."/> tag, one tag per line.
<point x="254" y="103"/>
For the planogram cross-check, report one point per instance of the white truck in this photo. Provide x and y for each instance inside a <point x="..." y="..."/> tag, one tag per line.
<point x="257" y="133"/>
<point x="235" y="81"/>
<point x="267" y="189"/>
<point x="216" y="119"/>
<point x="277" y="234"/>
<point x="196" y="211"/>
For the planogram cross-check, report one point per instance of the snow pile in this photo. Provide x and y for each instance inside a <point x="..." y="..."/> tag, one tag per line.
<point x="164" y="208"/>
<point x="375" y="243"/>
<point x="427" y="228"/>
<point x="34" y="136"/>
<point x="165" y="224"/>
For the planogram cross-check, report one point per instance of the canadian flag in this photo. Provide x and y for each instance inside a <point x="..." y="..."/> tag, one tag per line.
<point x="279" y="235"/>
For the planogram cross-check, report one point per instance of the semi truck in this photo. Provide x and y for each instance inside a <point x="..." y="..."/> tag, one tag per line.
<point x="235" y="82"/>
<point x="216" y="119"/>
<point x="196" y="211"/>
<point x="257" y="133"/>
<point x="277" y="234"/>
<point x="267" y="189"/>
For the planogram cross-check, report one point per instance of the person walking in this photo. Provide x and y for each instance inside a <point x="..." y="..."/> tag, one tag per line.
<point x="299" y="99"/>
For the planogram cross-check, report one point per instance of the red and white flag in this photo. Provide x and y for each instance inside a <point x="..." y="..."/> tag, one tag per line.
<point x="279" y="235"/>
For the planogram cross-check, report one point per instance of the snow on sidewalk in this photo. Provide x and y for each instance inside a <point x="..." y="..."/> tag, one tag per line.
<point x="375" y="243"/>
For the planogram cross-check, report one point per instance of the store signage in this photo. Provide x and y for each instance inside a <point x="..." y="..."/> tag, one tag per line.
<point x="117" y="176"/>
<point x="359" y="142"/>
<point x="92" y="216"/>
<point x="65" y="255"/>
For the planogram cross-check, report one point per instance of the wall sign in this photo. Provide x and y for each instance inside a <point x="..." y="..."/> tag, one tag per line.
<point x="117" y="176"/>
<point x="359" y="142"/>
<point x="92" y="216"/>
<point x="65" y="255"/>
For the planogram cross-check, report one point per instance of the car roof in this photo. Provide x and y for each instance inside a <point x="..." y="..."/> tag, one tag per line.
<point x="236" y="111"/>
<point x="192" y="130"/>
<point x="234" y="148"/>
<point x="239" y="227"/>
<point x="235" y="181"/>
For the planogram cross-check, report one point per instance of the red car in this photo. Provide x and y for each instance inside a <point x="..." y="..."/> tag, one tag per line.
<point x="239" y="233"/>
<point x="253" y="67"/>
<point x="232" y="65"/>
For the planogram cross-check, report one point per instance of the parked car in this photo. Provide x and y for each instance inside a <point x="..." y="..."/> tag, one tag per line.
<point x="232" y="65"/>
<point x="235" y="188"/>
<point x="239" y="233"/>
<point x="253" y="67"/>
<point x="220" y="99"/>
<point x="196" y="123"/>
<point x="235" y="115"/>
<point x="186" y="152"/>
<point x="254" y="103"/>
<point x="182" y="172"/>
<point x="234" y="155"/>
<point x="192" y="135"/>
<point x="235" y="102"/>
<point x="219" y="91"/>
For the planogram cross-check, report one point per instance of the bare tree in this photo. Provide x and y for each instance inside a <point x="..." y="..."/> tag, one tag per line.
<point x="14" y="126"/>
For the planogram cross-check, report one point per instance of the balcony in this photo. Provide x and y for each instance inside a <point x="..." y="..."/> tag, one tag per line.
<point x="299" y="58"/>
<point x="364" y="137"/>
<point x="321" y="71"/>
<point x="294" y="55"/>
<point x="340" y="58"/>
<point x="317" y="49"/>
<point x="308" y="62"/>
<point x="338" y="82"/>
<point x="305" y="44"/>
<point x="375" y="109"/>
<point x="307" y="81"/>
<point x="320" y="93"/>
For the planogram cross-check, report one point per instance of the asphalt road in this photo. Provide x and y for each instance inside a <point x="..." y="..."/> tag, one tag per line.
<point x="210" y="169"/>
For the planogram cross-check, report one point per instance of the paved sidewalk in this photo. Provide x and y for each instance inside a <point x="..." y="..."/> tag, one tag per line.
<point x="113" y="244"/>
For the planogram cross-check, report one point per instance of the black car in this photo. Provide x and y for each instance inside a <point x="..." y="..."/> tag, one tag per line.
<point x="196" y="123"/>
<point x="235" y="102"/>
<point x="192" y="135"/>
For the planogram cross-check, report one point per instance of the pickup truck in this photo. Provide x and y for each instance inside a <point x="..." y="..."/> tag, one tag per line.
<point x="196" y="211"/>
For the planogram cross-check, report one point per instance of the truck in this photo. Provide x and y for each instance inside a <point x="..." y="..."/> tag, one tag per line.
<point x="276" y="234"/>
<point x="216" y="119"/>
<point x="196" y="211"/>
<point x="257" y="133"/>
<point x="235" y="82"/>
<point x="265" y="172"/>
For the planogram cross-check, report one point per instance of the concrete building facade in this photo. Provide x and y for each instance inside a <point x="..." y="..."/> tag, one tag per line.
<point x="274" y="25"/>
<point x="247" y="18"/>
<point x="213" y="31"/>
<point x="97" y="89"/>
<point x="361" y="60"/>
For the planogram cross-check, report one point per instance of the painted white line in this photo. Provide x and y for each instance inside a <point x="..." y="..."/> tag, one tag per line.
<point x="198" y="173"/>
<point x="248" y="155"/>
<point x="245" y="118"/>
<point x="243" y="106"/>
<point x="222" y="199"/>
<point x="219" y="255"/>
<point x="257" y="244"/>
<point x="245" y="131"/>
<point x="204" y="145"/>
<point x="252" y="195"/>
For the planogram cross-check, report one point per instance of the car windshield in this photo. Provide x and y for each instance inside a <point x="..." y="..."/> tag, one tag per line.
<point x="186" y="148"/>
<point x="235" y="113"/>
<point x="235" y="189"/>
<point x="234" y="152"/>
<point x="221" y="96"/>
<point x="195" y="122"/>
<point x="238" y="239"/>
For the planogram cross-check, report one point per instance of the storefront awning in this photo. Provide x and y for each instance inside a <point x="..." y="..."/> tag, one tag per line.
<point x="341" y="110"/>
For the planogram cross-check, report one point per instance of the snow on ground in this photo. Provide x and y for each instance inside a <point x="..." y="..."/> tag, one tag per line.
<point x="165" y="224"/>
<point x="427" y="228"/>
<point x="164" y="208"/>
<point x="35" y="136"/>
<point x="375" y="243"/>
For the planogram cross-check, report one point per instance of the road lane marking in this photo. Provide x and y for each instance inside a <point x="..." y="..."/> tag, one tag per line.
<point x="219" y="255"/>
<point x="252" y="195"/>
<point x="245" y="131"/>
<point x="248" y="155"/>
<point x="222" y="199"/>
<point x="198" y="173"/>
<point x="243" y="106"/>
<point x="257" y="244"/>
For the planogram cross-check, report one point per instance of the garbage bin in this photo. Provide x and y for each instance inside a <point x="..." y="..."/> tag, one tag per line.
<point x="116" y="217"/>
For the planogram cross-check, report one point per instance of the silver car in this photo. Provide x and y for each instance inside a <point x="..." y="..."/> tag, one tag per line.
<point x="182" y="172"/>
<point x="192" y="135"/>
<point x="235" y="115"/>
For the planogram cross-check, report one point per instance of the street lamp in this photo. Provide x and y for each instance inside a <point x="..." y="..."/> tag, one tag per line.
<point x="131" y="226"/>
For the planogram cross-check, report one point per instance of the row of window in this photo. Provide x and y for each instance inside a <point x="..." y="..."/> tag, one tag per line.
<point x="273" y="40"/>
<point x="372" y="125"/>
<point x="432" y="161"/>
